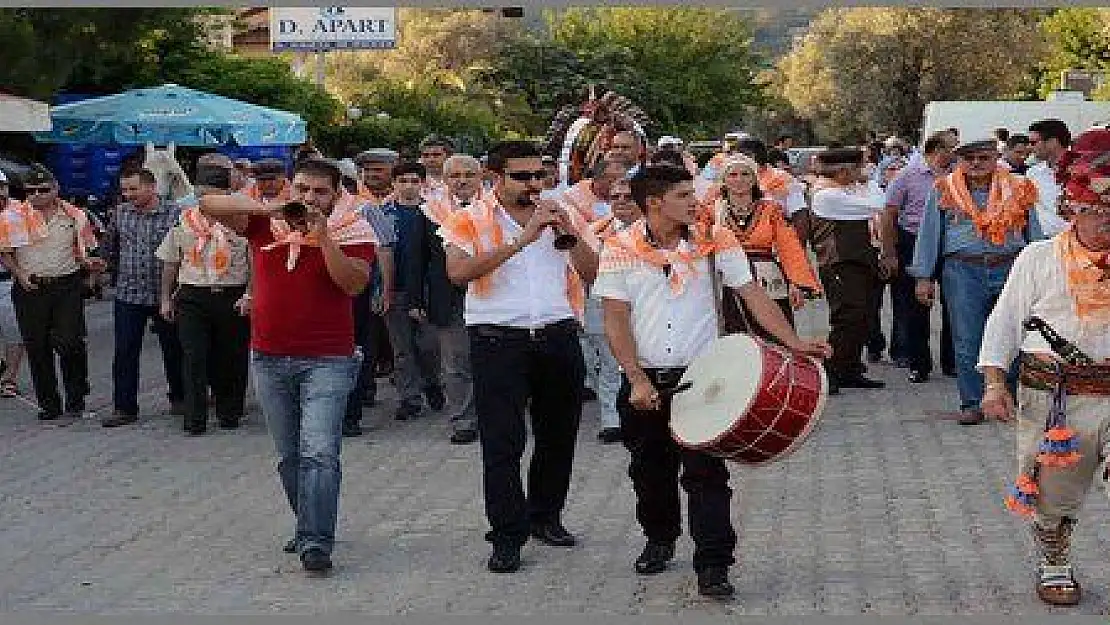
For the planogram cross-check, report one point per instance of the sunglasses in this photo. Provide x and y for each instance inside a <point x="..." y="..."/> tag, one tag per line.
<point x="525" y="176"/>
<point x="620" y="196"/>
<point x="37" y="190"/>
<point x="981" y="158"/>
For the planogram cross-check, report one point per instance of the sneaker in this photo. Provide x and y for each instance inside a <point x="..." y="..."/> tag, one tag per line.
<point x="406" y="412"/>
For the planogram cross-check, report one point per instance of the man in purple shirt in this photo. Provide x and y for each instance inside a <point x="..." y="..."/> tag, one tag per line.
<point x="906" y="198"/>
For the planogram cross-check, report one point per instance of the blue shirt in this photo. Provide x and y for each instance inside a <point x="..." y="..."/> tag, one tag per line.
<point x="404" y="220"/>
<point x="949" y="232"/>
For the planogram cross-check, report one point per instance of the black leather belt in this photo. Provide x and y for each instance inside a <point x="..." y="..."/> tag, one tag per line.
<point x="988" y="259"/>
<point x="51" y="280"/>
<point x="215" y="289"/>
<point x="508" y="332"/>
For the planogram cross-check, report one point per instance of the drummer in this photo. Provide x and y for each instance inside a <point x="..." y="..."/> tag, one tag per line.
<point x="659" y="309"/>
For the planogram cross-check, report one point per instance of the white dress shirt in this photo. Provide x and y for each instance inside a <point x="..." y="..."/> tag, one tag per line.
<point x="856" y="203"/>
<point x="672" y="330"/>
<point x="529" y="290"/>
<point x="1048" y="191"/>
<point x="1037" y="286"/>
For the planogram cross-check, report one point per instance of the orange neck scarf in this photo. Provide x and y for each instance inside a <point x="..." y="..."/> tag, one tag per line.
<point x="1088" y="279"/>
<point x="1007" y="210"/>
<point x="631" y="248"/>
<point x="774" y="182"/>
<point x="479" y="228"/>
<point x="22" y="225"/>
<point x="215" y="260"/>
<point x="346" y="226"/>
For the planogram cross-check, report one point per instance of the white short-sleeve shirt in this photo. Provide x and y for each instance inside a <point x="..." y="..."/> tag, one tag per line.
<point x="529" y="290"/>
<point x="672" y="330"/>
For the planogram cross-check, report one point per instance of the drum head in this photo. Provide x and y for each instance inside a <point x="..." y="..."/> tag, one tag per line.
<point x="724" y="380"/>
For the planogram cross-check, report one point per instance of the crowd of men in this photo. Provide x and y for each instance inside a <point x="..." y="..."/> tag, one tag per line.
<point x="490" y="291"/>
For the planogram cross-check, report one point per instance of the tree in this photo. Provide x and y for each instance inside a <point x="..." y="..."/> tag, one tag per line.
<point x="95" y="50"/>
<point x="1077" y="39"/>
<point x="694" y="66"/>
<point x="263" y="81"/>
<point x="876" y="68"/>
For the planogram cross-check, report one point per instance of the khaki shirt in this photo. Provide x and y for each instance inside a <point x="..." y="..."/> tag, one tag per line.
<point x="53" y="256"/>
<point x="180" y="239"/>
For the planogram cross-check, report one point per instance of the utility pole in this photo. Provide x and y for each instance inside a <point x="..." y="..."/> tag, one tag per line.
<point x="320" y="67"/>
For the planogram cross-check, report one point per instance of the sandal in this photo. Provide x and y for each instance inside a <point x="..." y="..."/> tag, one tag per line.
<point x="1056" y="585"/>
<point x="9" y="389"/>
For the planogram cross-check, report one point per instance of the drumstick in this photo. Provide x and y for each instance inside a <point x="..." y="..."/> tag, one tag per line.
<point x="685" y="386"/>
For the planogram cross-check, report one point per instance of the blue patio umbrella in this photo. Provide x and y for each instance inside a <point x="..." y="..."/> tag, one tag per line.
<point x="172" y="114"/>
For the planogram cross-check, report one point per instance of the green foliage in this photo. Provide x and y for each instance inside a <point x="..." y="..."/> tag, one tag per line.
<point x="94" y="50"/>
<point x="1079" y="39"/>
<point x="263" y="81"/>
<point x="646" y="55"/>
<point x="346" y="141"/>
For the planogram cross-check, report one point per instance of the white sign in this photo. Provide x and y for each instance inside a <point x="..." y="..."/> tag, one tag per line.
<point x="332" y="28"/>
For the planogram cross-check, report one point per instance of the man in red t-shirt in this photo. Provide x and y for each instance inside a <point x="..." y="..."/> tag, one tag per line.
<point x="309" y="259"/>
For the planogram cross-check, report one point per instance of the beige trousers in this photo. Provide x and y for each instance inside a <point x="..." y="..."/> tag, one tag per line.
<point x="1063" y="490"/>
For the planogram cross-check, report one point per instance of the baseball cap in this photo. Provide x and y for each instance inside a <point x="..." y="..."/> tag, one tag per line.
<point x="39" y="175"/>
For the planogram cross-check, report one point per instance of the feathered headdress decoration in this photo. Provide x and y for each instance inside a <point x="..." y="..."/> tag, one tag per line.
<point x="580" y="135"/>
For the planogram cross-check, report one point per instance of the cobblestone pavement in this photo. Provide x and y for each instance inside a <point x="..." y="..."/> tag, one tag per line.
<point x="888" y="509"/>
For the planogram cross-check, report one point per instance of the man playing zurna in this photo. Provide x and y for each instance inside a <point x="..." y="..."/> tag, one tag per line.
<point x="1063" y="400"/>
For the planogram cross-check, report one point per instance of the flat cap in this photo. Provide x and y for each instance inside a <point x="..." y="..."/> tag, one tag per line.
<point x="269" y="168"/>
<point x="212" y="175"/>
<point x="377" y="155"/>
<point x="840" y="156"/>
<point x="982" y="145"/>
<point x="39" y="175"/>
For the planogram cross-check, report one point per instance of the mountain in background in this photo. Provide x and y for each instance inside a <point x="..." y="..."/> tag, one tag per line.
<point x="775" y="29"/>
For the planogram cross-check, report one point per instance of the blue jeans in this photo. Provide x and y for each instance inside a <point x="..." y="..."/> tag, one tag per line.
<point x="972" y="290"/>
<point x="131" y="322"/>
<point x="303" y="400"/>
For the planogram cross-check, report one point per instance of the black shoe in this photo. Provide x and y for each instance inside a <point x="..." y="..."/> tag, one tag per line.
<point x="315" y="560"/>
<point x="918" y="377"/>
<point x="119" y="419"/>
<point x="654" y="558"/>
<point x="195" y="429"/>
<point x="436" y="399"/>
<point x="352" y="429"/>
<point x="46" y="415"/>
<point x="948" y="373"/>
<point x="859" y="381"/>
<point x="405" y="412"/>
<point x="290" y="546"/>
<point x="713" y="582"/>
<point x="504" y="559"/>
<point x="971" y="417"/>
<point x="588" y="394"/>
<point x="902" y="363"/>
<point x="464" y="437"/>
<point x="609" y="435"/>
<point x="553" y="534"/>
<point x="875" y="357"/>
<point x="229" y="423"/>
